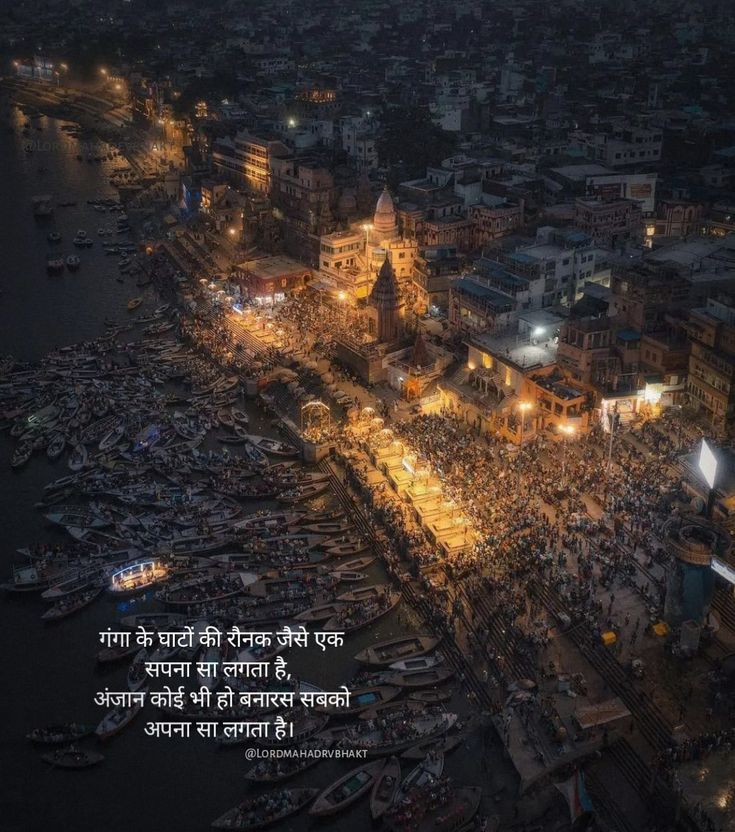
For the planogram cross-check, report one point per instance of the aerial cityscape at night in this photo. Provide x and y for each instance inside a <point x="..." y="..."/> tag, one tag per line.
<point x="367" y="416"/>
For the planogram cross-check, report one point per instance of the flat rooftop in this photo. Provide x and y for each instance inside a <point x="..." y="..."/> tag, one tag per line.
<point x="518" y="351"/>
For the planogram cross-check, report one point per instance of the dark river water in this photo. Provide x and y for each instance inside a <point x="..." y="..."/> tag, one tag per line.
<point x="49" y="673"/>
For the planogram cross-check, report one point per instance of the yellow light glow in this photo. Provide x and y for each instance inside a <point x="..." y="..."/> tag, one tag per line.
<point x="525" y="406"/>
<point x="568" y="429"/>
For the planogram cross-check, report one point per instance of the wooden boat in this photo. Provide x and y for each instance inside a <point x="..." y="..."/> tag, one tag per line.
<point x="273" y="446"/>
<point x="421" y="678"/>
<point x="424" y="727"/>
<point x="300" y="494"/>
<point x="60" y="734"/>
<point x="443" y="745"/>
<point x="107" y="655"/>
<point x="345" y="791"/>
<point x="304" y="727"/>
<point x="255" y="814"/>
<point x="385" y="788"/>
<point x="346" y="576"/>
<point x="21" y="454"/>
<point x="417" y="663"/>
<point x="357" y="565"/>
<point x="203" y="590"/>
<point x="68" y="606"/>
<point x="327" y="527"/>
<point x="154" y="621"/>
<point x="116" y="720"/>
<point x="276" y="771"/>
<point x="272" y="520"/>
<point x="134" y="303"/>
<point x="82" y="518"/>
<point x="56" y="445"/>
<point x="239" y="417"/>
<point x="368" y="593"/>
<point x="428" y="770"/>
<point x="388" y="709"/>
<point x="364" y="616"/>
<point x="72" y="758"/>
<point x="343" y="550"/>
<point x="85" y="579"/>
<point x="431" y="697"/>
<point x="456" y="814"/>
<point x="395" y="649"/>
<point x="255" y="455"/>
<point x="321" y="612"/>
<point x="361" y="699"/>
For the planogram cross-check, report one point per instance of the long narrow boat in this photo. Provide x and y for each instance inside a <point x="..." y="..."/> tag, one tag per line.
<point x="431" y="697"/>
<point x="396" y="649"/>
<point x="420" y="678"/>
<point x="273" y="446"/>
<point x="301" y="493"/>
<point x="60" y="734"/>
<point x="417" y="663"/>
<point x="363" y="698"/>
<point x="276" y="771"/>
<point x="73" y="603"/>
<point x="345" y="791"/>
<point x="321" y="612"/>
<point x="385" y="788"/>
<point x="346" y="576"/>
<point x="404" y="708"/>
<point x="257" y="812"/>
<point x="362" y="616"/>
<point x="356" y="565"/>
<point x="154" y="620"/>
<point x="380" y="743"/>
<point x="304" y="727"/>
<point x="443" y="745"/>
<point x="72" y="758"/>
<point x="327" y="527"/>
<point x="367" y="593"/>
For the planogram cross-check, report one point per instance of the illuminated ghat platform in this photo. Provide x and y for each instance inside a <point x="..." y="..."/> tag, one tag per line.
<point x="430" y="509"/>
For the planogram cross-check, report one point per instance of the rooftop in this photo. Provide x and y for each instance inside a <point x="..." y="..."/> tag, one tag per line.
<point x="514" y="349"/>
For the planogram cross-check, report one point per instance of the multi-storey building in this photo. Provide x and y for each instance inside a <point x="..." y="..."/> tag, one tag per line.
<point x="246" y="159"/>
<point x="610" y="223"/>
<point x="711" y="380"/>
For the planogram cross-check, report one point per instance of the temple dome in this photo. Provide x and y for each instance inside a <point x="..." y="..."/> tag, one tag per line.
<point x="385" y="223"/>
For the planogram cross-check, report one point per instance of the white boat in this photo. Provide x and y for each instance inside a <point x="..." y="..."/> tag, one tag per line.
<point x="56" y="445"/>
